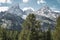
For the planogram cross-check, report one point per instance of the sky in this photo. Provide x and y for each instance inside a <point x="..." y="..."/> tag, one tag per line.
<point x="30" y="4"/>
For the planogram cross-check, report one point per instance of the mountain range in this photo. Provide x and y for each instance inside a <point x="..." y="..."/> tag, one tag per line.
<point x="14" y="17"/>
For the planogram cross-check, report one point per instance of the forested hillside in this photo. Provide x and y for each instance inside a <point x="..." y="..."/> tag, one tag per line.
<point x="31" y="30"/>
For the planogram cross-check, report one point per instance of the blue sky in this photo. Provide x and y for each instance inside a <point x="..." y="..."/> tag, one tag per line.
<point x="33" y="4"/>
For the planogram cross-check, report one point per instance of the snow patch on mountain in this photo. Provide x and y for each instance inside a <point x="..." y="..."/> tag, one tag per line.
<point x="24" y="16"/>
<point x="47" y="12"/>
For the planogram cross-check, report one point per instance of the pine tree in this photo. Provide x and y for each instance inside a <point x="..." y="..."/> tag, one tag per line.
<point x="30" y="29"/>
<point x="1" y="33"/>
<point x="56" y="34"/>
<point x="49" y="36"/>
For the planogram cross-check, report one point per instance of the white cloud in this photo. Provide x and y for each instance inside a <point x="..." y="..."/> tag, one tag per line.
<point x="9" y="1"/>
<point x="25" y="1"/>
<point x="26" y="8"/>
<point x="3" y="9"/>
<point x="54" y="9"/>
<point x="41" y="1"/>
<point x="5" y="1"/>
<point x="2" y="1"/>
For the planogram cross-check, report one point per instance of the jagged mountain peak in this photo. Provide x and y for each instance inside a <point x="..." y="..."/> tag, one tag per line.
<point x="47" y="12"/>
<point x="15" y="9"/>
<point x="15" y="6"/>
<point x="45" y="8"/>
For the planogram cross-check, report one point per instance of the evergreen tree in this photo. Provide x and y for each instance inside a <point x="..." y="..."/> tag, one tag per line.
<point x="49" y="34"/>
<point x="8" y="34"/>
<point x="30" y="29"/>
<point x="56" y="34"/>
<point x="1" y="33"/>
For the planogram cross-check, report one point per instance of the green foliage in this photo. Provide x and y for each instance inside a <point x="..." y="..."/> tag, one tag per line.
<point x="8" y="34"/>
<point x="30" y="29"/>
<point x="56" y="34"/>
<point x="49" y="36"/>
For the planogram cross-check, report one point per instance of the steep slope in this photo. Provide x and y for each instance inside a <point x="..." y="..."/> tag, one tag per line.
<point x="14" y="17"/>
<point x="15" y="9"/>
<point x="47" y="17"/>
<point x="10" y="21"/>
<point x="47" y="12"/>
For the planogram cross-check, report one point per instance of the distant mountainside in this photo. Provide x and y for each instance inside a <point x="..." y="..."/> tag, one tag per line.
<point x="28" y="11"/>
<point x="10" y="21"/>
<point x="47" y="16"/>
<point x="47" y="12"/>
<point x="14" y="17"/>
<point x="15" y="9"/>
